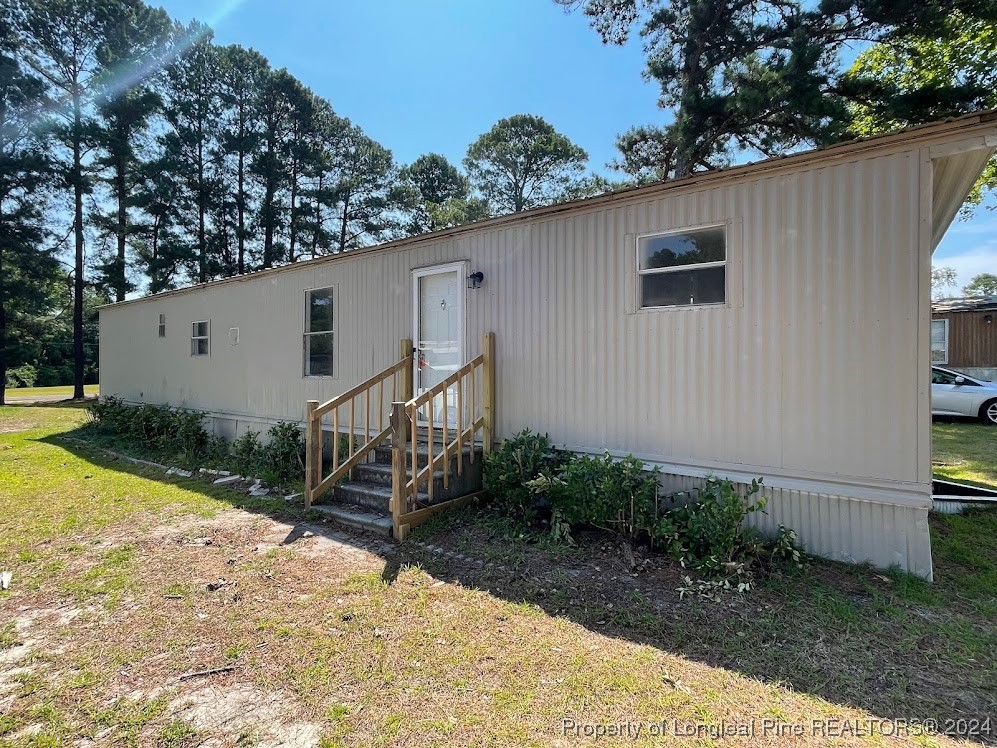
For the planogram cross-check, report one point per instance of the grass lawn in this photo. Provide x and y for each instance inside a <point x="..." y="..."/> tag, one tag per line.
<point x="147" y="610"/>
<point x="66" y="391"/>
<point x="964" y="451"/>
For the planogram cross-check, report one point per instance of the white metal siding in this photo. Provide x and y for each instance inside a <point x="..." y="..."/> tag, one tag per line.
<point x="824" y="274"/>
<point x="810" y="372"/>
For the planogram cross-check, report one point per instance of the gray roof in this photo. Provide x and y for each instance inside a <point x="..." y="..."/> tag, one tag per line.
<point x="966" y="304"/>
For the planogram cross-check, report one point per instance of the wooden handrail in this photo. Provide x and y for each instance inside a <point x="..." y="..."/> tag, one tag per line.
<point x="406" y="508"/>
<point x="315" y="483"/>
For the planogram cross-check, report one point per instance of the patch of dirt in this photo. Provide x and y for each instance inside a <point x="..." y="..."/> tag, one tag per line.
<point x="242" y="712"/>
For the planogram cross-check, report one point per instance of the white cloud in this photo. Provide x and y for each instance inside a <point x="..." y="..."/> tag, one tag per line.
<point x="968" y="263"/>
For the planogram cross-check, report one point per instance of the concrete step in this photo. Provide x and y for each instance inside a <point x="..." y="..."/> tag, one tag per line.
<point x="352" y="516"/>
<point x="379" y="474"/>
<point x="367" y="495"/>
<point x="382" y="454"/>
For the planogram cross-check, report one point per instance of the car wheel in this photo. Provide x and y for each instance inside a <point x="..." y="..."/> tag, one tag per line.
<point x="988" y="412"/>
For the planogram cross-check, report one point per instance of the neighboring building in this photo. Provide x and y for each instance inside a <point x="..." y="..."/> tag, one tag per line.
<point x="768" y="320"/>
<point x="964" y="335"/>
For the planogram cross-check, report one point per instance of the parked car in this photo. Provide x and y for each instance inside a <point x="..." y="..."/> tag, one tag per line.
<point x="955" y="394"/>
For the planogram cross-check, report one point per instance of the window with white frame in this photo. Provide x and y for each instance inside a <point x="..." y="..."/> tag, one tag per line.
<point x="682" y="268"/>
<point x="162" y="325"/>
<point x="939" y="341"/>
<point x="319" y="332"/>
<point x="200" y="338"/>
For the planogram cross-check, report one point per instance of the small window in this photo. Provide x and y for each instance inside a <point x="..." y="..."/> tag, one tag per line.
<point x="233" y="336"/>
<point x="683" y="268"/>
<point x="319" y="332"/>
<point x="162" y="325"/>
<point x="199" y="339"/>
<point x="939" y="341"/>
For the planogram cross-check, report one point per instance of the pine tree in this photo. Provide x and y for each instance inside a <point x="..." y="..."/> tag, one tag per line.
<point x="193" y="113"/>
<point x="444" y="195"/>
<point x="136" y="39"/>
<point x="276" y="109"/>
<point x="758" y="75"/>
<point x="243" y="73"/>
<point x="28" y="272"/>
<point x="328" y="134"/>
<point x="523" y="162"/>
<point x="370" y="199"/>
<point x="62" y="39"/>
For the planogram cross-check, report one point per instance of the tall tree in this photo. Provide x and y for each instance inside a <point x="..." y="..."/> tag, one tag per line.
<point x="984" y="284"/>
<point x="328" y="136"/>
<point x="915" y="78"/>
<point x="763" y="75"/>
<point x="243" y="72"/>
<point x="303" y="156"/>
<point x="370" y="199"/>
<point x="163" y="248"/>
<point x="62" y="39"/>
<point x="27" y="270"/>
<point x="444" y="195"/>
<point x="276" y="108"/>
<point x="193" y="112"/>
<point x="523" y="162"/>
<point x="942" y="278"/>
<point x="136" y="41"/>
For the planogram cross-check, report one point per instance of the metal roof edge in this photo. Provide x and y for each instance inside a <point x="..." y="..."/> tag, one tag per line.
<point x="844" y="149"/>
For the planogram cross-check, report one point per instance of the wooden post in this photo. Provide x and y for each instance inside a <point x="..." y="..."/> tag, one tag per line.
<point x="399" y="433"/>
<point x="488" y="390"/>
<point x="313" y="451"/>
<point x="405" y="349"/>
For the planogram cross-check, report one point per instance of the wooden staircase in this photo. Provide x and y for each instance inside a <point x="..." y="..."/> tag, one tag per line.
<point x="389" y="477"/>
<point x="364" y="502"/>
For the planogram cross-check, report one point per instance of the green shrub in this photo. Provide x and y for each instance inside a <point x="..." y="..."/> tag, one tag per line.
<point x="283" y="457"/>
<point x="24" y="375"/>
<point x="616" y="495"/>
<point x="190" y="439"/>
<point x="509" y="469"/>
<point x="620" y="495"/>
<point x="152" y="427"/>
<point x="708" y="534"/>
<point x="245" y="451"/>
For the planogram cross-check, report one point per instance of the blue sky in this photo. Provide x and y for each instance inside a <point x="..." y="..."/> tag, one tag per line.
<point x="433" y="75"/>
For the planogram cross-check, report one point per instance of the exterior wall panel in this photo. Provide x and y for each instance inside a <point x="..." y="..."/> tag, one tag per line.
<point x="823" y="287"/>
<point x="972" y="340"/>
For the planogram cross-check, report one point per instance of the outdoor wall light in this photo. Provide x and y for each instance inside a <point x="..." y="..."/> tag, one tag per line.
<point x="474" y="279"/>
<point x="988" y="318"/>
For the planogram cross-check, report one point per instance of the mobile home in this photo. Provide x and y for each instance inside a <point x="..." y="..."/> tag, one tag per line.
<point x="769" y="320"/>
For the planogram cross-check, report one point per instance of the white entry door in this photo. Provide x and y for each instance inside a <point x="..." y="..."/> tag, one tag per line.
<point x="439" y="334"/>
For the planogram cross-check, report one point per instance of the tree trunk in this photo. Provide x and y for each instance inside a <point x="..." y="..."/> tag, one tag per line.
<point x="202" y="249"/>
<point x="342" y="229"/>
<point x="79" y="359"/>
<point x="3" y="331"/>
<point x="293" y="229"/>
<point x="318" y="216"/>
<point x="268" y="229"/>
<point x="120" y="280"/>
<point x="241" y="208"/>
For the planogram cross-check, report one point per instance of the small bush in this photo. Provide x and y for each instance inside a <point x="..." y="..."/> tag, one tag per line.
<point x="246" y="451"/>
<point x="616" y="495"/>
<point x="509" y="469"/>
<point x="620" y="495"/>
<point x="24" y="375"/>
<point x="181" y="433"/>
<point x="153" y="427"/>
<point x="283" y="457"/>
<point x="708" y="534"/>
